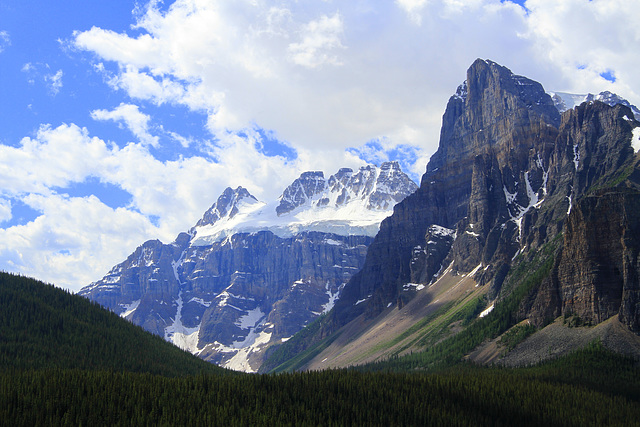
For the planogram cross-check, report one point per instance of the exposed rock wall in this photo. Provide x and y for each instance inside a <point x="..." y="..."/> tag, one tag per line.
<point x="598" y="272"/>
<point x="508" y="176"/>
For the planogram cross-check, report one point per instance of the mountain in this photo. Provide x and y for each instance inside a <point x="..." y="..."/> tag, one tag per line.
<point x="251" y="274"/>
<point x="524" y="217"/>
<point x="46" y="328"/>
<point x="566" y="101"/>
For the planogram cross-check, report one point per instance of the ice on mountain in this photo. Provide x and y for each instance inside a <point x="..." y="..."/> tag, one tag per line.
<point x="635" y="139"/>
<point x="129" y="308"/>
<point x="346" y="204"/>
<point x="250" y="319"/>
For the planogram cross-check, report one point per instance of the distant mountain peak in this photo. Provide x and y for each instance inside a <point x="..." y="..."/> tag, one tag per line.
<point x="347" y="203"/>
<point x="565" y="101"/>
<point x="301" y="191"/>
<point x="375" y="188"/>
<point x="227" y="206"/>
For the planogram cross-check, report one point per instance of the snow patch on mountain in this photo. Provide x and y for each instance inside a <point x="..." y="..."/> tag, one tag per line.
<point x="345" y="204"/>
<point x="129" y="308"/>
<point x="250" y="319"/>
<point x="566" y="101"/>
<point x="635" y="139"/>
<point x="180" y="335"/>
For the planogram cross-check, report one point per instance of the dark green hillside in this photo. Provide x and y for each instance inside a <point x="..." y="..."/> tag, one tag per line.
<point x="591" y="388"/>
<point x="66" y="361"/>
<point x="42" y="326"/>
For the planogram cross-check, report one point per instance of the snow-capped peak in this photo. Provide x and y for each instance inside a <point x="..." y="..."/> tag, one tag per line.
<point x="228" y="205"/>
<point x="347" y="203"/>
<point x="566" y="101"/>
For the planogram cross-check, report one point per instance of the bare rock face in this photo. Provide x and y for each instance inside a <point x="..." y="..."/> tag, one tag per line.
<point x="490" y="165"/>
<point x="598" y="272"/>
<point x="509" y="175"/>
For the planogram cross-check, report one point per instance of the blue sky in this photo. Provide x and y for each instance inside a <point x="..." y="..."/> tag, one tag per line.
<point x="123" y="121"/>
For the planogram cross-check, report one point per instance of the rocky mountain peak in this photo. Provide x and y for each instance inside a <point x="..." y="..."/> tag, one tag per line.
<point x="375" y="188"/>
<point x="485" y="110"/>
<point x="567" y="101"/>
<point x="227" y="205"/>
<point x="301" y="191"/>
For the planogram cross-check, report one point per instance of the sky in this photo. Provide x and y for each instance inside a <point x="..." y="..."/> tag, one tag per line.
<point x="123" y="121"/>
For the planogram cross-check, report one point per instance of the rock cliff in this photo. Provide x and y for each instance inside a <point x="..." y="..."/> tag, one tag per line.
<point x="510" y="175"/>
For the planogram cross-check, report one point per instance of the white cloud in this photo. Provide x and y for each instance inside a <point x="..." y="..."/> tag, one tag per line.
<point x="5" y="210"/>
<point x="320" y="38"/>
<point x="584" y="39"/>
<point x="54" y="82"/>
<point x="5" y="40"/>
<point x="136" y="121"/>
<point x="413" y="9"/>
<point x="72" y="240"/>
<point x="318" y="75"/>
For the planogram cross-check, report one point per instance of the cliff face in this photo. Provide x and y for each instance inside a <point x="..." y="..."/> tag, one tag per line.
<point x="509" y="175"/>
<point x="598" y="273"/>
<point x="495" y="145"/>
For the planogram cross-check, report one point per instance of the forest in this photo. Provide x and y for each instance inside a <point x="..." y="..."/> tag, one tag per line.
<point x="66" y="361"/>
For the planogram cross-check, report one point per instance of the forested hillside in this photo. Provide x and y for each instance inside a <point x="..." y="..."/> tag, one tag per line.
<point x="66" y="361"/>
<point x="44" y="327"/>
<point x="591" y="388"/>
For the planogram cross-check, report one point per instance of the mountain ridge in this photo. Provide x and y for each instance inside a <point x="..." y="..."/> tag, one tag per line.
<point x="249" y="275"/>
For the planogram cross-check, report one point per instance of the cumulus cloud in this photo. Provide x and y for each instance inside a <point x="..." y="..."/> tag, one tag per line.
<point x="72" y="239"/>
<point x="136" y="121"/>
<point x="320" y="39"/>
<point x="319" y="75"/>
<point x="365" y="80"/>
<point x="585" y="40"/>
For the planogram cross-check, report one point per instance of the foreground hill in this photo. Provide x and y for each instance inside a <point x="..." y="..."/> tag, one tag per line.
<point x="44" y="327"/>
<point x="593" y="387"/>
<point x="66" y="361"/>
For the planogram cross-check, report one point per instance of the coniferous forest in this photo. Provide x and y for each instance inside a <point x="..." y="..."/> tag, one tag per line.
<point x="66" y="361"/>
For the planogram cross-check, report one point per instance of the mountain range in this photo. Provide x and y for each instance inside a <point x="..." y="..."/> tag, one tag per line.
<point x="251" y="274"/>
<point x="524" y="225"/>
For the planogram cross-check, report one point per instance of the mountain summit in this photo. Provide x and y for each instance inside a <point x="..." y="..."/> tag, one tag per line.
<point x="251" y="274"/>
